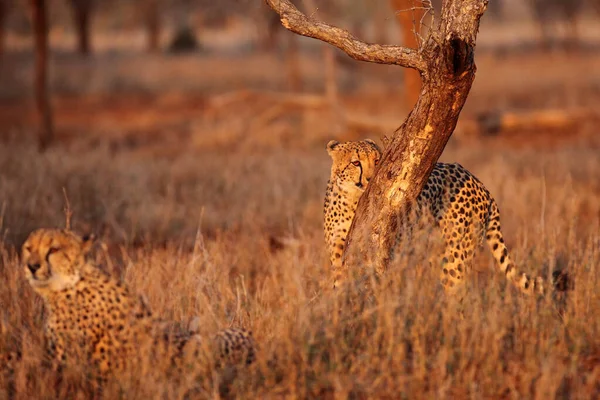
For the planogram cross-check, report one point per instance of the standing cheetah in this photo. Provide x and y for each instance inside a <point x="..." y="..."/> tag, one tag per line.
<point x="94" y="318"/>
<point x="458" y="202"/>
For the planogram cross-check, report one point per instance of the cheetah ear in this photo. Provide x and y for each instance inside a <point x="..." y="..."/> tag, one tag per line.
<point x="331" y="146"/>
<point x="370" y="141"/>
<point x="88" y="242"/>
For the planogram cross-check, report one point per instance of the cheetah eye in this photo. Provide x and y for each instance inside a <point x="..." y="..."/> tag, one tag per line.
<point x="376" y="161"/>
<point x="356" y="163"/>
<point x="52" y="251"/>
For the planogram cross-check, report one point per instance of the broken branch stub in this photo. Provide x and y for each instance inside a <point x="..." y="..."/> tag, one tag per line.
<point x="446" y="64"/>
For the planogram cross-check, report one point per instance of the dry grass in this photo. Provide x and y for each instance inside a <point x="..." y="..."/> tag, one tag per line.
<point x="235" y="238"/>
<point x="217" y="214"/>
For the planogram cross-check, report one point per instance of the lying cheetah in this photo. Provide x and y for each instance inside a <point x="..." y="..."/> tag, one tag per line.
<point x="92" y="316"/>
<point x="458" y="202"/>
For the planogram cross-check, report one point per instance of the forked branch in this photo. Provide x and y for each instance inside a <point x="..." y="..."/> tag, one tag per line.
<point x="446" y="63"/>
<point x="297" y="22"/>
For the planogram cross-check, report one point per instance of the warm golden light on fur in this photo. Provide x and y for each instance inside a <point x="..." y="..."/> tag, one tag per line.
<point x="95" y="321"/>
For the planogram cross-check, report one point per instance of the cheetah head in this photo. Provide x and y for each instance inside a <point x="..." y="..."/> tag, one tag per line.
<point x="353" y="163"/>
<point x="53" y="258"/>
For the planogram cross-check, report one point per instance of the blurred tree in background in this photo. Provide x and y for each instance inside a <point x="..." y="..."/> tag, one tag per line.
<point x="153" y="24"/>
<point x="82" y="20"/>
<point x="39" y="12"/>
<point x="372" y="20"/>
<point x="409" y="14"/>
<point x="187" y="25"/>
<point x="3" y="12"/>
<point x="548" y="13"/>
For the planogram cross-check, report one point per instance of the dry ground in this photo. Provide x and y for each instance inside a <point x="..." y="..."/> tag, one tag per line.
<point x="216" y="213"/>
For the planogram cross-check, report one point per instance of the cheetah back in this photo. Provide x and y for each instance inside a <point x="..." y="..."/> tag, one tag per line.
<point x="459" y="203"/>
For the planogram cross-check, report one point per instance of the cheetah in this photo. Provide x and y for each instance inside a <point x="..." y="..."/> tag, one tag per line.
<point x="93" y="317"/>
<point x="459" y="203"/>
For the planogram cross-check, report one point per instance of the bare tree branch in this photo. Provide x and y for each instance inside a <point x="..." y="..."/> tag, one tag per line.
<point x="42" y="97"/>
<point x="295" y="21"/>
<point x="446" y="63"/>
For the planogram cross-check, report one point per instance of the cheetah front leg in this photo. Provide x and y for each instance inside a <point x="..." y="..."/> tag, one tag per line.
<point x="336" y="231"/>
<point x="336" y="264"/>
<point x="55" y="351"/>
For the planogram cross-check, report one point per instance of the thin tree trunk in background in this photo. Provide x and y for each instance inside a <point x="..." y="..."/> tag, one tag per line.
<point x="329" y="61"/>
<point x="293" y="65"/>
<point x="331" y="87"/>
<point x="3" y="11"/>
<point x="270" y="31"/>
<point x="572" y="41"/>
<point x="410" y="22"/>
<point x="40" y="26"/>
<point x="153" y="25"/>
<point x="381" y="23"/>
<point x="82" y="16"/>
<point x="495" y="8"/>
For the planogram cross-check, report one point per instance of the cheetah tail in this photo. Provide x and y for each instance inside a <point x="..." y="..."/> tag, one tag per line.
<point x="498" y="248"/>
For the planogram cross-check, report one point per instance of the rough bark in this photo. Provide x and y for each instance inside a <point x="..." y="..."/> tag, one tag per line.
<point x="417" y="145"/>
<point x="82" y="16"/>
<point x="447" y="68"/>
<point x="408" y="14"/>
<point x="40" y="26"/>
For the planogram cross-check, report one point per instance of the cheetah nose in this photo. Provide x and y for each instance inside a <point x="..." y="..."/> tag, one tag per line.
<point x="33" y="267"/>
<point x="358" y="184"/>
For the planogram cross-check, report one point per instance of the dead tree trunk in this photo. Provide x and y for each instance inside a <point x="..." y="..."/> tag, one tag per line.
<point x="3" y="11"/>
<point x="446" y="64"/>
<point x="409" y="14"/>
<point x="82" y="16"/>
<point x="40" y="26"/>
<point x="153" y="25"/>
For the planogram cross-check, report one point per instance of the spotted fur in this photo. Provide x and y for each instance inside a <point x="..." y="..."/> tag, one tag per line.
<point x="459" y="203"/>
<point x="94" y="318"/>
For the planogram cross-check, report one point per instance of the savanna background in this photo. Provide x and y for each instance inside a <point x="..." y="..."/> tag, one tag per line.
<point x="190" y="136"/>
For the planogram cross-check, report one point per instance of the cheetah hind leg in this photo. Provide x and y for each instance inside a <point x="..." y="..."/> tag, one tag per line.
<point x="457" y="258"/>
<point x="454" y="264"/>
<point x="452" y="276"/>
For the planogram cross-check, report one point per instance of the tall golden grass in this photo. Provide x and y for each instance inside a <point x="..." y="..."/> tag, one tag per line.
<point x="235" y="239"/>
